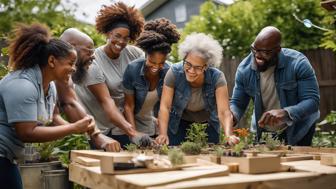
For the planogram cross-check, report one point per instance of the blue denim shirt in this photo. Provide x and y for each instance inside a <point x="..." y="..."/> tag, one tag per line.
<point x="297" y="88"/>
<point x="134" y="79"/>
<point x="182" y="94"/>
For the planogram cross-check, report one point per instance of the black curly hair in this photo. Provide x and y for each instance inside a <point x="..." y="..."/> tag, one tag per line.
<point x="33" y="45"/>
<point x="119" y="12"/>
<point x="159" y="35"/>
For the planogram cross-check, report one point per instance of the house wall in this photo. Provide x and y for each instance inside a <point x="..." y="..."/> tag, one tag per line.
<point x="167" y="10"/>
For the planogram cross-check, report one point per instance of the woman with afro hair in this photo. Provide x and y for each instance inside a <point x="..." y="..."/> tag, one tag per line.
<point x="143" y="78"/>
<point x="101" y="92"/>
<point x="28" y="97"/>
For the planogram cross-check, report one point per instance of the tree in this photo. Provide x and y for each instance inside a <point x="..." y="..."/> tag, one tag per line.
<point x="237" y="25"/>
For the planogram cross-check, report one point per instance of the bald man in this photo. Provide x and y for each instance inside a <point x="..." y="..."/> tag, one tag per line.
<point x="67" y="97"/>
<point x="283" y="86"/>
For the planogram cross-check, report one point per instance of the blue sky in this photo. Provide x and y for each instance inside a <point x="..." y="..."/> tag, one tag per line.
<point x="87" y="9"/>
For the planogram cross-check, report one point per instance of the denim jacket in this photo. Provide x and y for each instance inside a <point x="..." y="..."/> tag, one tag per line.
<point x="134" y="80"/>
<point x="297" y="88"/>
<point x="182" y="94"/>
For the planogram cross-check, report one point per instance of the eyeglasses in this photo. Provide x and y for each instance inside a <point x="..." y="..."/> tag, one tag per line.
<point x="187" y="65"/>
<point x="119" y="38"/>
<point x="263" y="52"/>
<point x="88" y="51"/>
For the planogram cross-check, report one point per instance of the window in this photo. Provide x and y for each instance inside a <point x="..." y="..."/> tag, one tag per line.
<point x="181" y="13"/>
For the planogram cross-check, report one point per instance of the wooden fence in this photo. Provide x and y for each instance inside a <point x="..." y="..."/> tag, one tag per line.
<point x="324" y="64"/>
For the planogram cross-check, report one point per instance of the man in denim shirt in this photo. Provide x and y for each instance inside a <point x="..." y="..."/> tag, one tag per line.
<point x="283" y="87"/>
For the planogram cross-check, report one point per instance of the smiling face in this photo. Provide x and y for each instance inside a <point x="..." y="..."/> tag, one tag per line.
<point x="194" y="66"/>
<point x="118" y="39"/>
<point x="265" y="55"/>
<point x="64" y="67"/>
<point x="155" y="62"/>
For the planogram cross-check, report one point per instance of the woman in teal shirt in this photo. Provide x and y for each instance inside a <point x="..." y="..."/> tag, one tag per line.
<point x="28" y="96"/>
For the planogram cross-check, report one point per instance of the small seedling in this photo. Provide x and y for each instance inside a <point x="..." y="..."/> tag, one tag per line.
<point x="272" y="142"/>
<point x="164" y="149"/>
<point x="176" y="156"/>
<point x="191" y="148"/>
<point x="131" y="147"/>
<point x="219" y="151"/>
<point x="197" y="134"/>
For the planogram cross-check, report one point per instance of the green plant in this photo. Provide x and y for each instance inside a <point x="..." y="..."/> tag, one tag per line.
<point x="236" y="26"/>
<point x="197" y="134"/>
<point x="164" y="149"/>
<point x="219" y="151"/>
<point x="131" y="147"/>
<point x="46" y="150"/>
<point x="238" y="148"/>
<point x="68" y="143"/>
<point x="190" y="148"/>
<point x="272" y="142"/>
<point x="176" y="156"/>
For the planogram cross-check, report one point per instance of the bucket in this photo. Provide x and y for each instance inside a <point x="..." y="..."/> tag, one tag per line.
<point x="55" y="179"/>
<point x="31" y="173"/>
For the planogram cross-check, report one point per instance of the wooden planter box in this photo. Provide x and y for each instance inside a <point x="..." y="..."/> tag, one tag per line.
<point x="255" y="164"/>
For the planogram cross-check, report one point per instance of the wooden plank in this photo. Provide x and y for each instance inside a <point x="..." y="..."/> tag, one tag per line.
<point x="311" y="166"/>
<point x="140" y="181"/>
<point x="327" y="83"/>
<point x="296" y="157"/>
<point x="107" y="159"/>
<point x="297" y="180"/>
<point x="89" y="162"/>
<point x="328" y="160"/>
<point x="91" y="177"/>
<point x="308" y="149"/>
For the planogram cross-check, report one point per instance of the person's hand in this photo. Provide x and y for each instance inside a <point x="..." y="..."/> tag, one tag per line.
<point x="86" y="124"/>
<point x="162" y="139"/>
<point x="232" y="140"/>
<point x="130" y="131"/>
<point x="110" y="144"/>
<point x="142" y="139"/>
<point x="273" y="118"/>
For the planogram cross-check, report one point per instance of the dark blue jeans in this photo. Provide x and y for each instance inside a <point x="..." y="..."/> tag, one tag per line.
<point x="180" y="136"/>
<point x="10" y="177"/>
<point x="305" y="141"/>
<point x="122" y="139"/>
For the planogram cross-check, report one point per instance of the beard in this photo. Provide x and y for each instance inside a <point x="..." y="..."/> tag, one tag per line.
<point x="80" y="73"/>
<point x="271" y="62"/>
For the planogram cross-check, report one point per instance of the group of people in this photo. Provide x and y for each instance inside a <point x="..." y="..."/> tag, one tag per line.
<point x="120" y="93"/>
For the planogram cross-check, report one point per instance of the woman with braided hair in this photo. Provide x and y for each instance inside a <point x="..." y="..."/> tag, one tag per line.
<point x="143" y="78"/>
<point x="28" y="97"/>
<point x="101" y="92"/>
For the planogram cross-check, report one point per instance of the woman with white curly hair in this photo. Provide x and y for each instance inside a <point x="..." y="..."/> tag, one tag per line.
<point x="195" y="91"/>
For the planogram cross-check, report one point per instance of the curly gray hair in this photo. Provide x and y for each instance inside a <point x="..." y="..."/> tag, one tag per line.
<point x="205" y="45"/>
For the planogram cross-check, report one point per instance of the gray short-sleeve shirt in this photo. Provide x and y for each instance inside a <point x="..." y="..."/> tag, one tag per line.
<point x="22" y="100"/>
<point x="108" y="71"/>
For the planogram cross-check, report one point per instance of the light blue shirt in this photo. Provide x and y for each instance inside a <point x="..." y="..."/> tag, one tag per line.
<point x="22" y="100"/>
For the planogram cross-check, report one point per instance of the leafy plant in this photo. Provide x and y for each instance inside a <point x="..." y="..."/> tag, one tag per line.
<point x="176" y="156"/>
<point x="238" y="148"/>
<point x="197" y="134"/>
<point x="164" y="149"/>
<point x="131" y="147"/>
<point x="45" y="150"/>
<point x="68" y="143"/>
<point x="237" y="25"/>
<point x="219" y="151"/>
<point x="190" y="148"/>
<point x="272" y="142"/>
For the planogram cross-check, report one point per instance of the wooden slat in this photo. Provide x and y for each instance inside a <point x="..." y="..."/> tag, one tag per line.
<point x="140" y="181"/>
